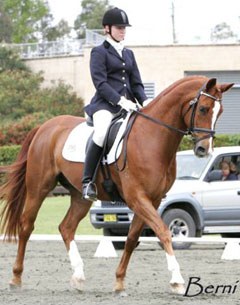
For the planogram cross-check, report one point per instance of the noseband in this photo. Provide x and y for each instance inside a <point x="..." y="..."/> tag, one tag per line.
<point x="191" y="130"/>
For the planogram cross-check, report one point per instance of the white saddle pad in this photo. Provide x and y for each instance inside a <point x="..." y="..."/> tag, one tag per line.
<point x="75" y="146"/>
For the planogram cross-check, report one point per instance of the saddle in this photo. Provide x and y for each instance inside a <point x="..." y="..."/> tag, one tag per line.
<point x="108" y="184"/>
<point x="74" y="149"/>
<point x="111" y="133"/>
<point x="76" y="145"/>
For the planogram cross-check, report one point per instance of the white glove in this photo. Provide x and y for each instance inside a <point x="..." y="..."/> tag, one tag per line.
<point x="127" y="104"/>
<point x="146" y="102"/>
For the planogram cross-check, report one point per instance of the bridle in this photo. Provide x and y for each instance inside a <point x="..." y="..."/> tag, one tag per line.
<point x="192" y="130"/>
<point x="193" y="105"/>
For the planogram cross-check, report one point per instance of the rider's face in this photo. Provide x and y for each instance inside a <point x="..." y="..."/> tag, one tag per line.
<point x="117" y="32"/>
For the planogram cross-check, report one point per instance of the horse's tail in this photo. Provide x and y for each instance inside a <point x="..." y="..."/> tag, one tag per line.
<point x="13" y="191"/>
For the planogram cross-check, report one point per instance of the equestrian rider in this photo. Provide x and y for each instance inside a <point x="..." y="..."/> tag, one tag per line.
<point x="118" y="84"/>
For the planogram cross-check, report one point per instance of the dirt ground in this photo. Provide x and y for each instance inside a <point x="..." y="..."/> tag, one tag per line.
<point x="47" y="274"/>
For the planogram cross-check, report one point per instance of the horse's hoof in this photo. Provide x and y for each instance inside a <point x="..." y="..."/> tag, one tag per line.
<point x="178" y="288"/>
<point x="120" y="293"/>
<point x="14" y="286"/>
<point x="77" y="283"/>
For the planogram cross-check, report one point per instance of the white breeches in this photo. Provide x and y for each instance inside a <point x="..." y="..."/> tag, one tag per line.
<point x="101" y="121"/>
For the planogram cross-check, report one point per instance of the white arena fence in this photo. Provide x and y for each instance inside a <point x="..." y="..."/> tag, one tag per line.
<point x="105" y="246"/>
<point x="98" y="238"/>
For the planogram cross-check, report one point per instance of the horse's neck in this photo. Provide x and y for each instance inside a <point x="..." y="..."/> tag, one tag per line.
<point x="167" y="107"/>
<point x="167" y="110"/>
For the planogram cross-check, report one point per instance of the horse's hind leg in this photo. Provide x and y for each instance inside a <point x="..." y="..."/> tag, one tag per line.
<point x="131" y="242"/>
<point x="32" y="205"/>
<point x="38" y="186"/>
<point x="77" y="211"/>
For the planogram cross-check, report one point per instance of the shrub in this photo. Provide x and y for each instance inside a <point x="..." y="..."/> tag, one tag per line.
<point x="25" y="103"/>
<point x="56" y="100"/>
<point x="8" y="154"/>
<point x="16" y="132"/>
<point x="15" y="87"/>
<point x="220" y="140"/>
<point x="9" y="60"/>
<point x="21" y="94"/>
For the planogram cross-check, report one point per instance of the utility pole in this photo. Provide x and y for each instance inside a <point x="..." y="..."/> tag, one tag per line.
<point x="173" y="24"/>
<point x="238" y="36"/>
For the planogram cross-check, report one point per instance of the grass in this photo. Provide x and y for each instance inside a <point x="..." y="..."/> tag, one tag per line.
<point x="51" y="214"/>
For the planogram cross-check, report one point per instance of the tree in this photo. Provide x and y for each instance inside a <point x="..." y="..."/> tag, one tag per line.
<point x="91" y="16"/>
<point x="222" y="31"/>
<point x="23" y="21"/>
<point x="22" y="94"/>
<point x="23" y="16"/>
<point x="9" y="60"/>
<point x="44" y="26"/>
<point x="5" y="25"/>
<point x="24" y="102"/>
<point x="61" y="30"/>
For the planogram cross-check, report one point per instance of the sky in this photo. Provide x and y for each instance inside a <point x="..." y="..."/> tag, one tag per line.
<point x="152" y="23"/>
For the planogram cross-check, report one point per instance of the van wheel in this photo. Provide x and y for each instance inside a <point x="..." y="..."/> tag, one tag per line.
<point x="181" y="224"/>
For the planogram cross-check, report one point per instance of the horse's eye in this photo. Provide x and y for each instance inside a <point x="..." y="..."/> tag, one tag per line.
<point x="203" y="110"/>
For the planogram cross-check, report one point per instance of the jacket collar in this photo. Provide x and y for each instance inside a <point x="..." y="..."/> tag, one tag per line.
<point x="118" y="46"/>
<point x="113" y="51"/>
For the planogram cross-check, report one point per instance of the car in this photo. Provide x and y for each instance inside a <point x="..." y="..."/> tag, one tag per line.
<point x="198" y="203"/>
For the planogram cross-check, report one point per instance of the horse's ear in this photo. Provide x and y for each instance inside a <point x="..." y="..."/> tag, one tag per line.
<point x="211" y="83"/>
<point x="225" y="87"/>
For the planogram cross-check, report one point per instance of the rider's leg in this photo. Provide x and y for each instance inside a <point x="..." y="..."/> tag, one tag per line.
<point x="92" y="158"/>
<point x="101" y="121"/>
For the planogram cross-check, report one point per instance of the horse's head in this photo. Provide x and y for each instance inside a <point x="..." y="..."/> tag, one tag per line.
<point x="202" y="113"/>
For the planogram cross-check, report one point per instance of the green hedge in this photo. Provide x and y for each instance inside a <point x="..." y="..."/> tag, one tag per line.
<point x="8" y="154"/>
<point x="220" y="140"/>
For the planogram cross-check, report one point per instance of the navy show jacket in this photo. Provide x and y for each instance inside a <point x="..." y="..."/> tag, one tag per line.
<point x="114" y="76"/>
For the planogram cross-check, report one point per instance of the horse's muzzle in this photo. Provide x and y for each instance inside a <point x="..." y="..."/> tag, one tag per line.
<point x="200" y="150"/>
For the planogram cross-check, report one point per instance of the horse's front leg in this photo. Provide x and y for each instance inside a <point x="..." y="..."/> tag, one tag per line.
<point x="149" y="215"/>
<point x="131" y="242"/>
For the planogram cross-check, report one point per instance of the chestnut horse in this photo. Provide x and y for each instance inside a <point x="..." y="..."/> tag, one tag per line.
<point x="189" y="106"/>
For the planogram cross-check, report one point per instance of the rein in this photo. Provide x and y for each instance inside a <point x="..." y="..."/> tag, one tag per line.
<point x="124" y="138"/>
<point x="191" y="130"/>
<point x="159" y="122"/>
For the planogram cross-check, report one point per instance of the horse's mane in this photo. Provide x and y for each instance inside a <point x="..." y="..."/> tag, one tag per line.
<point x="179" y="82"/>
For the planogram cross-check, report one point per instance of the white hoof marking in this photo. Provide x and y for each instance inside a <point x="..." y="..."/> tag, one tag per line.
<point x="178" y="289"/>
<point x="77" y="283"/>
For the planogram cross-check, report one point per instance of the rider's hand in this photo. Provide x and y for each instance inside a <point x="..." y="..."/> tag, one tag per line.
<point x="127" y="104"/>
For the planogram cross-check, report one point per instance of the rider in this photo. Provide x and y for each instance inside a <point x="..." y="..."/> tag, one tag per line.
<point x="118" y="84"/>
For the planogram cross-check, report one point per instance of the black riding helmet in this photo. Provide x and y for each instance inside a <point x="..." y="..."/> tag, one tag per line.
<point x="115" y="16"/>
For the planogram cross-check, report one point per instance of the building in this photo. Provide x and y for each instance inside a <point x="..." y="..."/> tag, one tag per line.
<point x="160" y="66"/>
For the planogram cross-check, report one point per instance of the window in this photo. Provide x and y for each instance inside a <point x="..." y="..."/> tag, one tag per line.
<point x="149" y="89"/>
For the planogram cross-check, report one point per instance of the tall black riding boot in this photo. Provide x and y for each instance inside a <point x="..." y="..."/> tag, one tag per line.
<point x="89" y="190"/>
